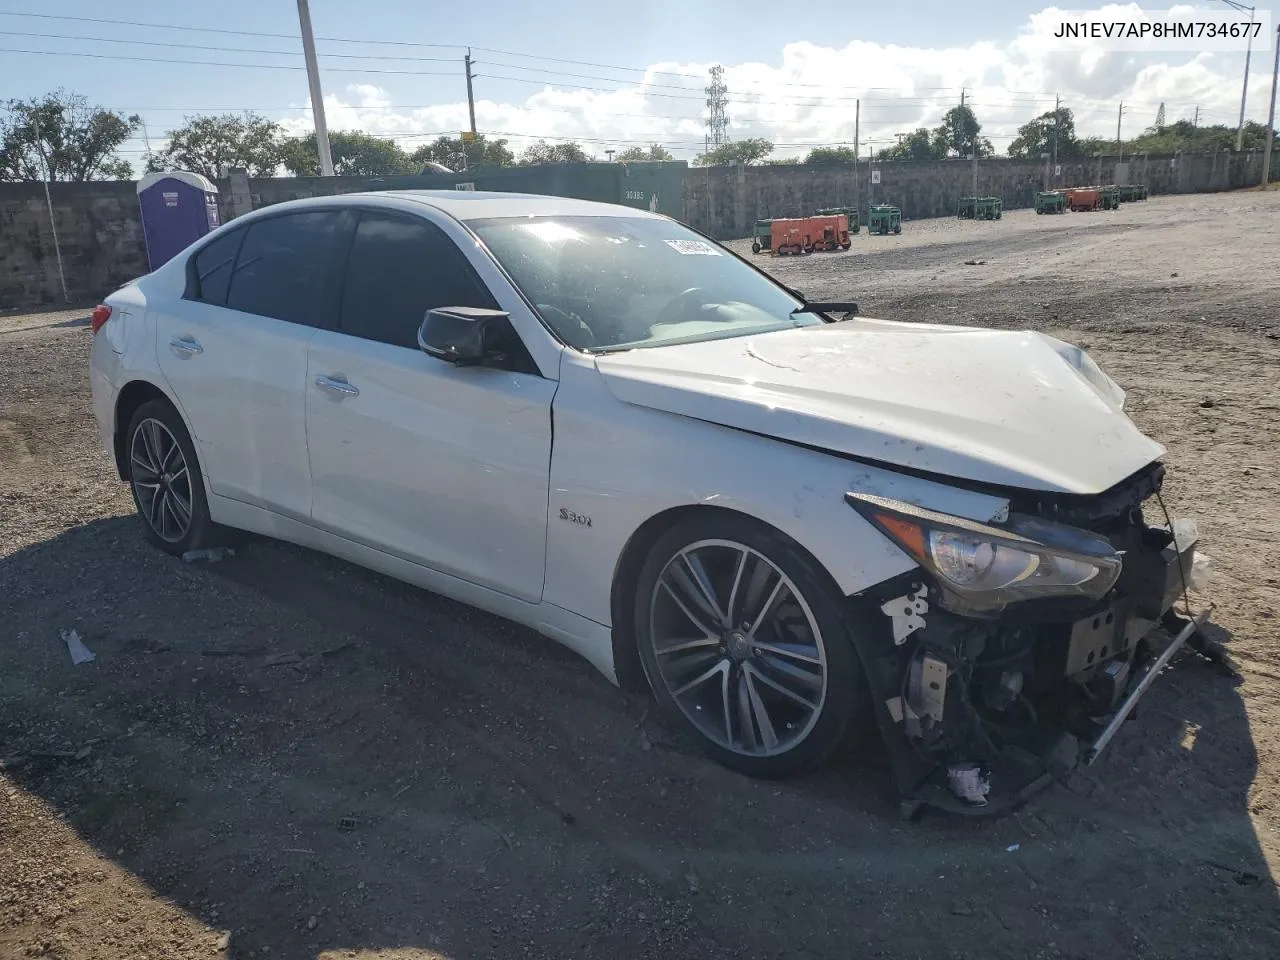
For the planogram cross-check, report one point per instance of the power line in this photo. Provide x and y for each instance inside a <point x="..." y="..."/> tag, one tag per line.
<point x="413" y="43"/>
<point x="202" y="46"/>
<point x="218" y="63"/>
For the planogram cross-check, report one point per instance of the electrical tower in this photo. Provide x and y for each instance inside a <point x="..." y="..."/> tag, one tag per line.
<point x="717" y="119"/>
<point x="1160" y="118"/>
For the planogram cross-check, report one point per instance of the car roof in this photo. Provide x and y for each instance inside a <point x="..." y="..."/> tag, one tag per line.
<point x="473" y="204"/>
<point x="482" y="204"/>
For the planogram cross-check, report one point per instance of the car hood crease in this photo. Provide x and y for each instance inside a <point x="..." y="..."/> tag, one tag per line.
<point x="1002" y="407"/>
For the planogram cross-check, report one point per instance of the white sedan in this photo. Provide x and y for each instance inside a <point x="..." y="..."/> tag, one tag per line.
<point x="790" y="521"/>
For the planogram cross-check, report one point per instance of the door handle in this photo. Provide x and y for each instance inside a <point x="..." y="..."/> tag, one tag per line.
<point x="185" y="346"/>
<point x="337" y="387"/>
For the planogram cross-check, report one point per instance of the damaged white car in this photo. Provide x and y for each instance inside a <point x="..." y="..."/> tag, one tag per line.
<point x="788" y="520"/>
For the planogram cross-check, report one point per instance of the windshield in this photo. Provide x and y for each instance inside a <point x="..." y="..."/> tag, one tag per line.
<point x="611" y="283"/>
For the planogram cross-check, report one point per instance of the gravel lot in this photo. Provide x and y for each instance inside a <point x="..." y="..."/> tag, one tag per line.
<point x="282" y="755"/>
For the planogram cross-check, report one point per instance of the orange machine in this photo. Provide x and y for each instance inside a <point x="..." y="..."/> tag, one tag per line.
<point x="790" y="237"/>
<point x="829" y="232"/>
<point x="1084" y="199"/>
<point x="806" y="234"/>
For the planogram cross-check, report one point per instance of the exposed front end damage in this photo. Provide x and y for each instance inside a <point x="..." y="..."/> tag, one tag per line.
<point x="1019" y="646"/>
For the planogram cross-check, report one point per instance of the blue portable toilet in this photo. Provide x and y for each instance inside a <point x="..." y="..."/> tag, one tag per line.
<point x="178" y="208"/>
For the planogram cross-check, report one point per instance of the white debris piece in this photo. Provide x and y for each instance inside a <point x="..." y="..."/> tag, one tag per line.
<point x="75" y="646"/>
<point x="907" y="613"/>
<point x="968" y="783"/>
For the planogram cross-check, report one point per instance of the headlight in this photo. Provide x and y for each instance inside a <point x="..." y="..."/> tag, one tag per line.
<point x="987" y="567"/>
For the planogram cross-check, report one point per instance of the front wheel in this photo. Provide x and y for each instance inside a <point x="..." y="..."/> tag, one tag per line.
<point x="755" y="248"/>
<point x="743" y="643"/>
<point x="164" y="477"/>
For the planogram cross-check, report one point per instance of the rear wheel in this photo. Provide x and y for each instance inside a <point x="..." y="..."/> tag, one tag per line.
<point x="742" y="640"/>
<point x="755" y="248"/>
<point x="164" y="477"/>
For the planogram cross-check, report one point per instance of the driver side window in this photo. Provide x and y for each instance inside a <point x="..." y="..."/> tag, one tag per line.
<point x="398" y="269"/>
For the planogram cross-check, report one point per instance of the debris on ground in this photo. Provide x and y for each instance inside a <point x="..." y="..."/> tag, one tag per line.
<point x="211" y="554"/>
<point x="75" y="646"/>
<point x="975" y="263"/>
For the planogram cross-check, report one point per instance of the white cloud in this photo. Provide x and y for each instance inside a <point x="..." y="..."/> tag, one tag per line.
<point x="808" y="97"/>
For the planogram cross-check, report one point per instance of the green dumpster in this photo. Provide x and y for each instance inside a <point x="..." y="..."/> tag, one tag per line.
<point x="884" y="219"/>
<point x="850" y="212"/>
<point x="762" y="235"/>
<point x="1051" y="201"/>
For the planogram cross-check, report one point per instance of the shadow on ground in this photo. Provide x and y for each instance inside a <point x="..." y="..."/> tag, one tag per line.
<point x="317" y="758"/>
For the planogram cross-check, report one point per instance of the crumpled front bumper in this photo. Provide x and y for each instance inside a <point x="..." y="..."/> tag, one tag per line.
<point x="1112" y="653"/>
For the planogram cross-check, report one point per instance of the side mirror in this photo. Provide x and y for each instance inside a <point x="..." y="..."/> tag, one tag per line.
<point x="466" y="336"/>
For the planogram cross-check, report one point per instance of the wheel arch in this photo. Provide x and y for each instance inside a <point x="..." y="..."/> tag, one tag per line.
<point x="132" y="396"/>
<point x="626" y="657"/>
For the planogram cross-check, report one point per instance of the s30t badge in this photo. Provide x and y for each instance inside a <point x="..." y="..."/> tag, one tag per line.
<point x="580" y="519"/>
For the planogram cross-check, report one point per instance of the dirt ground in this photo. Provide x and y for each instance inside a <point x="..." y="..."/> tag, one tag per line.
<point x="282" y="756"/>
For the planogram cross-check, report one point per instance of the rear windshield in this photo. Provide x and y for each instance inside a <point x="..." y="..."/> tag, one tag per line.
<point x="614" y="283"/>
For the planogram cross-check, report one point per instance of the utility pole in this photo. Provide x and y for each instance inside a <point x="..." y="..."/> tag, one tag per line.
<point x="317" y="97"/>
<point x="1271" y="117"/>
<point x="1195" y="121"/>
<point x="857" y="118"/>
<point x="609" y="154"/>
<point x="1244" y="86"/>
<point x="471" y="100"/>
<point x="1119" y="142"/>
<point x="48" y="175"/>
<point x="1248" y="52"/>
<point x="1057" y="107"/>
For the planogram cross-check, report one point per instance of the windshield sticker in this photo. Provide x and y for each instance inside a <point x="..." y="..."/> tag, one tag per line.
<point x="693" y="248"/>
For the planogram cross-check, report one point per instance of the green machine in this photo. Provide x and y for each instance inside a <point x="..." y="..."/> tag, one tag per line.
<point x="762" y="235"/>
<point x="979" y="208"/>
<point x="1110" y="196"/>
<point x="850" y="212"/>
<point x="1051" y="201"/>
<point x="1133" y="191"/>
<point x="884" y="219"/>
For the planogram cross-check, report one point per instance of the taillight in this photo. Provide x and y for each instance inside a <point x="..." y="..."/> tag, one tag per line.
<point x="101" y="314"/>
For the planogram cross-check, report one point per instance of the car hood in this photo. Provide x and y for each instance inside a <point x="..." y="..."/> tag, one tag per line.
<point x="1013" y="408"/>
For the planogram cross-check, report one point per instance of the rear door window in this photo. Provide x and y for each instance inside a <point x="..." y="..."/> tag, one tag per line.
<point x="212" y="269"/>
<point x="398" y="269"/>
<point x="283" y="266"/>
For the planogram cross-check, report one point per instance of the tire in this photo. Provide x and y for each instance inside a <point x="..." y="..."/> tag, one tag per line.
<point x="736" y="712"/>
<point x="156" y="428"/>
<point x="755" y="248"/>
<point x="897" y="229"/>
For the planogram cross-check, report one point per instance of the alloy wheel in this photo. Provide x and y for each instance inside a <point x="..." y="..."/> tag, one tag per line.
<point x="738" y="648"/>
<point x="161" y="480"/>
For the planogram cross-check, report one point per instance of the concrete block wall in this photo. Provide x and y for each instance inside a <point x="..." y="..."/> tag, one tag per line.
<point x="99" y="232"/>
<point x="725" y="201"/>
<point x="102" y="244"/>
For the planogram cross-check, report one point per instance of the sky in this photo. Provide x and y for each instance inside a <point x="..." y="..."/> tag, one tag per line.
<point x="609" y="75"/>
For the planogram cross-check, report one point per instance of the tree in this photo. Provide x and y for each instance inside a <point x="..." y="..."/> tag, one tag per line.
<point x="1037" y="136"/>
<point x="61" y="137"/>
<point x="205" y="144"/>
<point x="751" y="150"/>
<point x="354" y="154"/>
<point x="921" y="144"/>
<point x="654" y="151"/>
<point x="451" y="151"/>
<point x="959" y="131"/>
<point x="543" y="152"/>
<point x="829" y="156"/>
